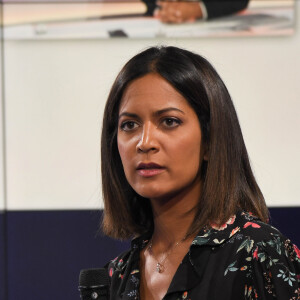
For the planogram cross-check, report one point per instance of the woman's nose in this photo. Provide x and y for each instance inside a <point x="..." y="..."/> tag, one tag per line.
<point x="147" y="141"/>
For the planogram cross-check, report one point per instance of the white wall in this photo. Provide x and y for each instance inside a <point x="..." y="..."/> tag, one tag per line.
<point x="2" y="200"/>
<point x="55" y="94"/>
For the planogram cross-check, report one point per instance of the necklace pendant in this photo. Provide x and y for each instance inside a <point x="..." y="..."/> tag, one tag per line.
<point x="159" y="268"/>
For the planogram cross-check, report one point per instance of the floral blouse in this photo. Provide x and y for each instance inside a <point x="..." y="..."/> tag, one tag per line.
<point x="243" y="259"/>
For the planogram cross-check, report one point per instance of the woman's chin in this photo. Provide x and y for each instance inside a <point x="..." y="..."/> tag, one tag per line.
<point x="155" y="194"/>
<point x="151" y="193"/>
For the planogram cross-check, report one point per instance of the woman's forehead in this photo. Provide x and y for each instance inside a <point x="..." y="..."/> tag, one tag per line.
<point x="151" y="91"/>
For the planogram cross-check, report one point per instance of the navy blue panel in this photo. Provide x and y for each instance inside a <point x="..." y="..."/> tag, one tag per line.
<point x="2" y="256"/>
<point x="287" y="220"/>
<point x="47" y="249"/>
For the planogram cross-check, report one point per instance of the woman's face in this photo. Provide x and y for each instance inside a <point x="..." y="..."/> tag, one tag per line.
<point x="159" y="139"/>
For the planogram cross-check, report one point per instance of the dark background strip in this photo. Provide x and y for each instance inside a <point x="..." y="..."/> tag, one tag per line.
<point x="3" y="266"/>
<point x="47" y="249"/>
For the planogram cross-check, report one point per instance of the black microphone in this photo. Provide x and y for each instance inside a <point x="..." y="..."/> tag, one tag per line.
<point x="94" y="284"/>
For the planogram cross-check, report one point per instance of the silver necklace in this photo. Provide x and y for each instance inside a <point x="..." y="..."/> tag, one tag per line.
<point x="160" y="264"/>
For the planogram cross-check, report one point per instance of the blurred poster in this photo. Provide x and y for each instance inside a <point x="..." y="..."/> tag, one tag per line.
<point x="146" y="19"/>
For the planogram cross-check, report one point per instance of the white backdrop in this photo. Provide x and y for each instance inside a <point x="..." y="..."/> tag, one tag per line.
<point x="2" y="202"/>
<point x="56" y="91"/>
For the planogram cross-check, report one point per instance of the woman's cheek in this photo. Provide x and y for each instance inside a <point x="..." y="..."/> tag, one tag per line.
<point x="126" y="156"/>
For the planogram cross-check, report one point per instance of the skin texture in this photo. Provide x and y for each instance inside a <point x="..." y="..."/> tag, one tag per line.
<point x="178" y="12"/>
<point x="157" y="124"/>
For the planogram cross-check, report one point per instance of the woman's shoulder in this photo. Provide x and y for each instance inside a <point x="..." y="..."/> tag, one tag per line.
<point x="252" y="228"/>
<point x="265" y="243"/>
<point x="242" y="226"/>
<point x="250" y="236"/>
<point x="266" y="259"/>
<point x="274" y="261"/>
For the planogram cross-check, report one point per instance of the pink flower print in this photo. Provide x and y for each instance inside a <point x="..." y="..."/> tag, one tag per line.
<point x="297" y="251"/>
<point x="111" y="272"/>
<point x="184" y="295"/>
<point x="223" y="226"/>
<point x="255" y="253"/>
<point x="254" y="225"/>
<point x="217" y="227"/>
<point x="234" y="231"/>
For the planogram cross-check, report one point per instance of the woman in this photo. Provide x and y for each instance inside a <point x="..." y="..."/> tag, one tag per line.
<point x="177" y="178"/>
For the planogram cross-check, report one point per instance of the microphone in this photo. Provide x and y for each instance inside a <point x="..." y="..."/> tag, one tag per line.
<point x="94" y="284"/>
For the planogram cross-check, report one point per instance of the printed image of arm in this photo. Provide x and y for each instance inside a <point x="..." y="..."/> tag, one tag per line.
<point x="189" y="11"/>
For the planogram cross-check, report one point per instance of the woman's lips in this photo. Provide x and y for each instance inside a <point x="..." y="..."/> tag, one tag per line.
<point x="149" y="172"/>
<point x="149" y="169"/>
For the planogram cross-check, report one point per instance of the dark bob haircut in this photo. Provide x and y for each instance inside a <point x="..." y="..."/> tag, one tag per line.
<point x="228" y="181"/>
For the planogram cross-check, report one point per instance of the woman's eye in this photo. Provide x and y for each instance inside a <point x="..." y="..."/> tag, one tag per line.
<point x="171" y="122"/>
<point x="128" y="125"/>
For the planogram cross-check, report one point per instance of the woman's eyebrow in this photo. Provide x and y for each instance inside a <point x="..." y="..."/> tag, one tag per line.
<point x="156" y="113"/>
<point x="162" y="111"/>
<point x="128" y="114"/>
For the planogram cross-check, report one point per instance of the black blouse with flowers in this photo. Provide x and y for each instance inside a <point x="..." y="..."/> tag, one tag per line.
<point x="243" y="259"/>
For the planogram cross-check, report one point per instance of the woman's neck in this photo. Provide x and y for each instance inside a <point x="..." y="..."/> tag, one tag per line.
<point x="173" y="216"/>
